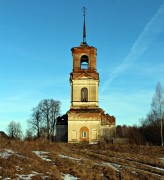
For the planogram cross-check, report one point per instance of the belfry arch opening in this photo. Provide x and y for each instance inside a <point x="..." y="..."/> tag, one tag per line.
<point x="84" y="62"/>
<point x="84" y="95"/>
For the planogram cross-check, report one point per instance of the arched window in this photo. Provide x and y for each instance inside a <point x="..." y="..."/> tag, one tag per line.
<point x="84" y="62"/>
<point x="84" y="134"/>
<point x="84" y="94"/>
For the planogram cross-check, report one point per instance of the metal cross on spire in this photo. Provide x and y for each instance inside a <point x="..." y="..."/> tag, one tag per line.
<point x="84" y="10"/>
<point x="84" y="27"/>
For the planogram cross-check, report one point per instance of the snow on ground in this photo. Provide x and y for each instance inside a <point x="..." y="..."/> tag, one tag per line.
<point x="26" y="176"/>
<point x="18" y="168"/>
<point x="69" y="157"/>
<point x="68" y="177"/>
<point x="43" y="155"/>
<point x="134" y="172"/>
<point x="162" y="159"/>
<point x="116" y="167"/>
<point x="6" y="153"/>
<point x="29" y="176"/>
<point x="161" y="169"/>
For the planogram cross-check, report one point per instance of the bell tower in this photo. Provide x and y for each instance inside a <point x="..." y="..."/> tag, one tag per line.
<point x="85" y="117"/>
<point x="84" y="78"/>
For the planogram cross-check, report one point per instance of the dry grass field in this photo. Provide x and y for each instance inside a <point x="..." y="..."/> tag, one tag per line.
<point x="45" y="160"/>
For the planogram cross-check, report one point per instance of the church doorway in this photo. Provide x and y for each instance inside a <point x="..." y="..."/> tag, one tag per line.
<point x="84" y="134"/>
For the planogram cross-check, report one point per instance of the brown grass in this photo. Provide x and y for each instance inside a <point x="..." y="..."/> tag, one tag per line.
<point x="100" y="161"/>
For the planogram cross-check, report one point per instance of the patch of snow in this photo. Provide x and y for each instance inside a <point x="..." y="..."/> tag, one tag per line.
<point x="45" y="177"/>
<point x="18" y="168"/>
<point x="25" y="176"/>
<point x="69" y="157"/>
<point x="43" y="155"/>
<point x="137" y="169"/>
<point x="6" y="153"/>
<point x="116" y="167"/>
<point x="162" y="159"/>
<point x="29" y="176"/>
<point x="20" y="155"/>
<point x="69" y="177"/>
<point x="93" y="143"/>
<point x="134" y="172"/>
<point x="161" y="169"/>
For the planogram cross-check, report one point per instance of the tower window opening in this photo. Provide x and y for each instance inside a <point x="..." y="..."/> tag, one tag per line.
<point x="84" y="62"/>
<point x="84" y="95"/>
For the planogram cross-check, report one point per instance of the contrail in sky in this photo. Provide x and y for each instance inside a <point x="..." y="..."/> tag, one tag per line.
<point x="151" y="31"/>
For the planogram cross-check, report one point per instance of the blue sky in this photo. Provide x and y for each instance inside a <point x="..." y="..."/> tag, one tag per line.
<point x="35" y="58"/>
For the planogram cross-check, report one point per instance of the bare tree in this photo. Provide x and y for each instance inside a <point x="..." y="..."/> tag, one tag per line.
<point x="158" y="107"/>
<point x="36" y="121"/>
<point x="119" y="131"/>
<point x="54" y="113"/>
<point x="152" y="125"/>
<point x="50" y="110"/>
<point x="151" y="129"/>
<point x="14" y="130"/>
<point x="44" y="117"/>
<point x="29" y="135"/>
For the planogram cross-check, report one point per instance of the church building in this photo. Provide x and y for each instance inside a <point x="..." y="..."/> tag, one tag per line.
<point x="86" y="120"/>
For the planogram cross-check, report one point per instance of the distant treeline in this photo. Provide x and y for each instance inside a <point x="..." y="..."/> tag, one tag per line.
<point x="151" y="129"/>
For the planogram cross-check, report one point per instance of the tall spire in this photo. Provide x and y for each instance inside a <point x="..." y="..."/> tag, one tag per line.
<point x="84" y="28"/>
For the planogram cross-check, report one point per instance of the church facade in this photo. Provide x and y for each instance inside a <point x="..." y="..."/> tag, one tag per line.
<point x="86" y="120"/>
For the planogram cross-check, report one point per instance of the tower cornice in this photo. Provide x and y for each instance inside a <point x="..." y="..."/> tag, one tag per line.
<point x="83" y="47"/>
